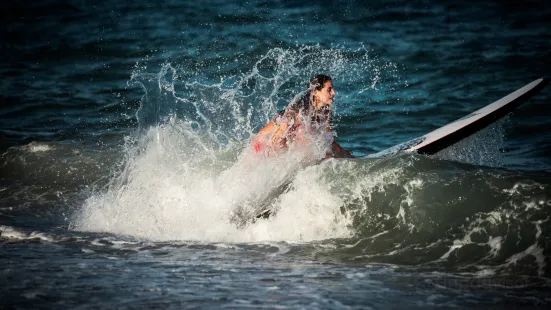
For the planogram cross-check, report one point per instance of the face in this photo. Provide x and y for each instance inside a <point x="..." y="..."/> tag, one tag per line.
<point x="324" y="97"/>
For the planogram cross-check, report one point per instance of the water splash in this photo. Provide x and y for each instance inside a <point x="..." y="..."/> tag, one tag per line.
<point x="483" y="148"/>
<point x="187" y="173"/>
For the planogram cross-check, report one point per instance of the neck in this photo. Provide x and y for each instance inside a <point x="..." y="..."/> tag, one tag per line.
<point x="317" y="105"/>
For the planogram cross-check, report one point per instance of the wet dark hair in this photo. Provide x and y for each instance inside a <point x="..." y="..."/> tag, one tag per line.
<point x="317" y="82"/>
<point x="304" y="104"/>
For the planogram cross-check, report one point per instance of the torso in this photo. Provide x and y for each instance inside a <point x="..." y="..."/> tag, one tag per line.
<point x="289" y="128"/>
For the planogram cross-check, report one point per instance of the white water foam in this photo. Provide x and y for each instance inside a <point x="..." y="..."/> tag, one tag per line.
<point x="12" y="233"/>
<point x="15" y="234"/>
<point x="36" y="147"/>
<point x="168" y="195"/>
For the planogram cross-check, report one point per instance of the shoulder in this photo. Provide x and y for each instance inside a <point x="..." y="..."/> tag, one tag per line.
<point x="268" y="128"/>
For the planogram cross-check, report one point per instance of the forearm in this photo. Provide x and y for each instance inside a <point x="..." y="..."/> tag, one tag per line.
<point x="339" y="151"/>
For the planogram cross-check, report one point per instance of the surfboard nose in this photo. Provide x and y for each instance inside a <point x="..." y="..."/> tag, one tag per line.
<point x="464" y="127"/>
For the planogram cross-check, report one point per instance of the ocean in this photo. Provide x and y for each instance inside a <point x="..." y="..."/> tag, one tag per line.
<point x="125" y="181"/>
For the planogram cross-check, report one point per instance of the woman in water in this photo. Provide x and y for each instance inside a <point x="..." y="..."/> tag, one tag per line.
<point x="308" y="120"/>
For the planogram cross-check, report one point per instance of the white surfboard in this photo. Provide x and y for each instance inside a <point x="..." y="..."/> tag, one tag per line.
<point x="462" y="128"/>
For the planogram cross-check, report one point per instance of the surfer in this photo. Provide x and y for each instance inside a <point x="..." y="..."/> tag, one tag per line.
<point x="306" y="120"/>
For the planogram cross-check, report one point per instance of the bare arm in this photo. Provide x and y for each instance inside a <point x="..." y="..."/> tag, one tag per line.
<point x="339" y="151"/>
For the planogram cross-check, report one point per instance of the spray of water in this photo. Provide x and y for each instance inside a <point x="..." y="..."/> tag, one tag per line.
<point x="482" y="148"/>
<point x="188" y="173"/>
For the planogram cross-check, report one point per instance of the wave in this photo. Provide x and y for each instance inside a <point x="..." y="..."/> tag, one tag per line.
<point x="185" y="174"/>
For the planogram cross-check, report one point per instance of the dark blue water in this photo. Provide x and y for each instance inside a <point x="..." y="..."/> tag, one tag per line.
<point x="124" y="179"/>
